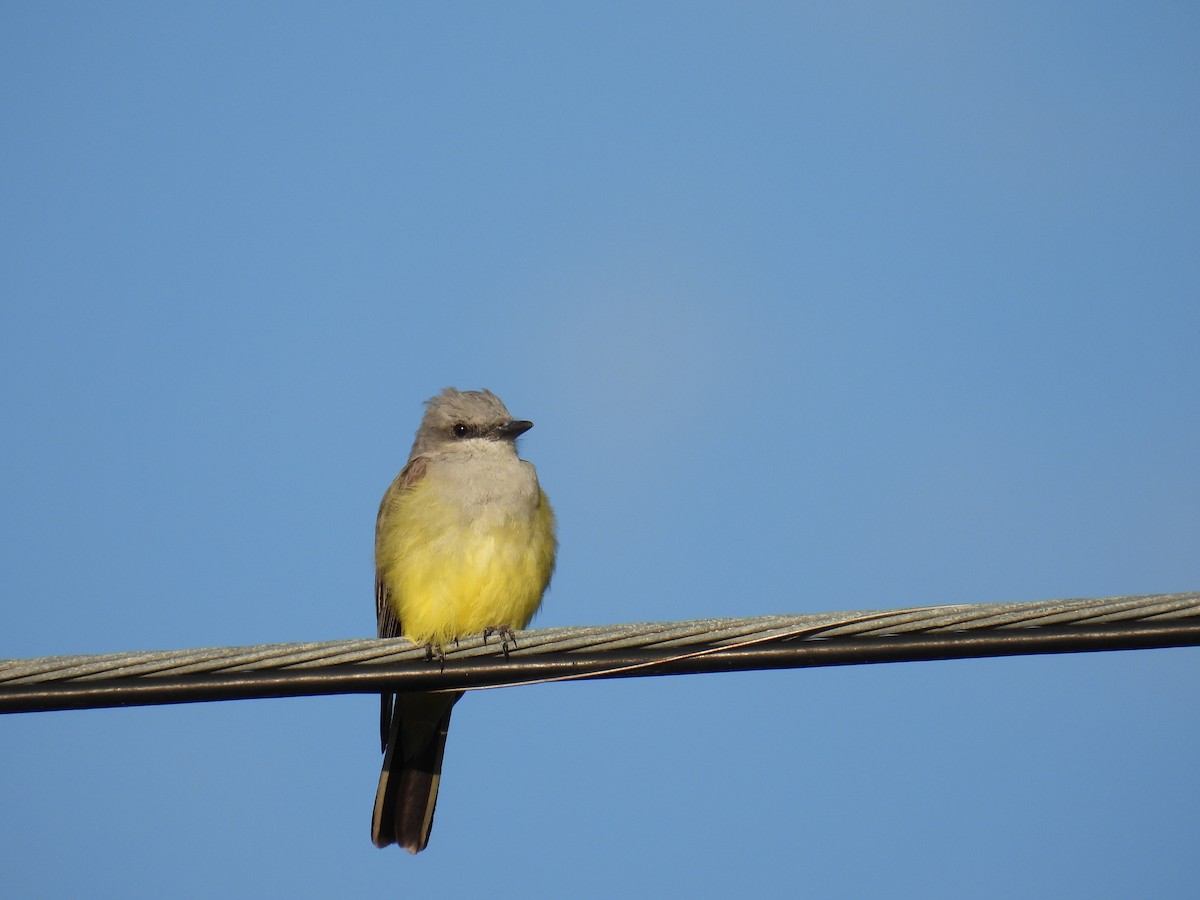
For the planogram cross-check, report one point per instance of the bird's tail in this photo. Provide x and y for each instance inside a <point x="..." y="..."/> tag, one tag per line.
<point x="412" y="769"/>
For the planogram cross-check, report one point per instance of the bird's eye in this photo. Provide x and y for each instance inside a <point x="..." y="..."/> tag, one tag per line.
<point x="460" y="430"/>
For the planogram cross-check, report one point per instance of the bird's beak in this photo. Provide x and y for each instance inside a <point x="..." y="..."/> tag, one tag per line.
<point x="513" y="428"/>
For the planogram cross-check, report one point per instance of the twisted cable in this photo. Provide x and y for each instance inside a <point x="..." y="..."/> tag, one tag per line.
<point x="557" y="654"/>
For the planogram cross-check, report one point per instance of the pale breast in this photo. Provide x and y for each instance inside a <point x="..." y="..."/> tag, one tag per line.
<point x="491" y="484"/>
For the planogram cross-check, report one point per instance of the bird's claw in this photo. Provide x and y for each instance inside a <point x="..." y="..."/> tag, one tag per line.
<point x="435" y="650"/>
<point x="507" y="636"/>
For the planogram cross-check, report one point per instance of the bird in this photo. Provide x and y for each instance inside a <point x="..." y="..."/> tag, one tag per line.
<point x="465" y="542"/>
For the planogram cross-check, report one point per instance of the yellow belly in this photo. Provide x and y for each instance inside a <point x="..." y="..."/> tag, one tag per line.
<point x="449" y="576"/>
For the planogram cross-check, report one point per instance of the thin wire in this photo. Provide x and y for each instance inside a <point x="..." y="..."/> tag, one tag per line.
<point x="561" y="654"/>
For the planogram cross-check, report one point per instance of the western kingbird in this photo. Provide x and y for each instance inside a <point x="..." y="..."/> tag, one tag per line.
<point x="464" y="543"/>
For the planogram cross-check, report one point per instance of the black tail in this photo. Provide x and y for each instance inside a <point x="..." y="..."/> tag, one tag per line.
<point x="412" y="768"/>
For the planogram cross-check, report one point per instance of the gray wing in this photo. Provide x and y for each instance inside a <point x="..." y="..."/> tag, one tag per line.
<point x="386" y="618"/>
<point x="385" y="614"/>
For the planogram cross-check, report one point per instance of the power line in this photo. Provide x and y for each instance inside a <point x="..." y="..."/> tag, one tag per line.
<point x="561" y="654"/>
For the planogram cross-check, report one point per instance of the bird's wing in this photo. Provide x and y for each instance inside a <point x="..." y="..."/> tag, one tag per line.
<point x="386" y="617"/>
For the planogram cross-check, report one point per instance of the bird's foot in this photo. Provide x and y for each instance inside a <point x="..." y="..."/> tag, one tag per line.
<point x="507" y="636"/>
<point x="435" y="650"/>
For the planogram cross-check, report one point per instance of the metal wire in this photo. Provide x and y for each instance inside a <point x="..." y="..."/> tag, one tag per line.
<point x="558" y="654"/>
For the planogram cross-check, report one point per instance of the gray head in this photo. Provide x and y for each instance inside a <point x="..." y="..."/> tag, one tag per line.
<point x="454" y="416"/>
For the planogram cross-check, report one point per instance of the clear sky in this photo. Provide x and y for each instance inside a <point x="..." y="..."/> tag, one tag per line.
<point x="815" y="307"/>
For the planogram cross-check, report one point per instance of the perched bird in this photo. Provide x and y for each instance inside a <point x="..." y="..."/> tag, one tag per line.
<point x="464" y="543"/>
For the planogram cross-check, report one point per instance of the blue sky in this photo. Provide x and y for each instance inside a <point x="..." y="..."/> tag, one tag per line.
<point x="848" y="306"/>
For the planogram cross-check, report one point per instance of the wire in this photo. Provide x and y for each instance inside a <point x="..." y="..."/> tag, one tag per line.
<point x="563" y="654"/>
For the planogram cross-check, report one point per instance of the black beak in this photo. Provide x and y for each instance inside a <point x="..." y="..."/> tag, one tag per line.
<point x="513" y="428"/>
